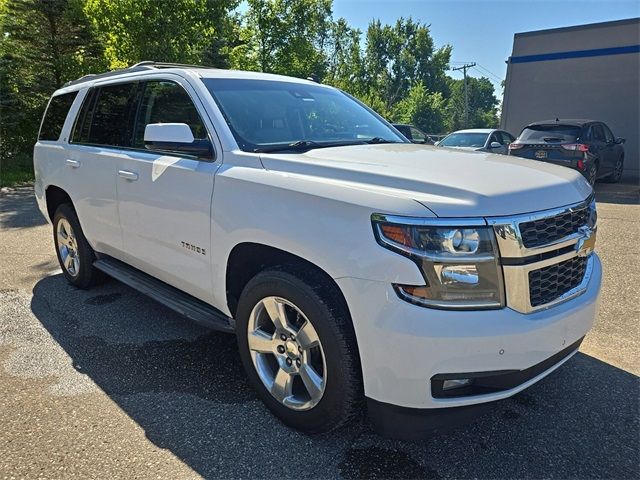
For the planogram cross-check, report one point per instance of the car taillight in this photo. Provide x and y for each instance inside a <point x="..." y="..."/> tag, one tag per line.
<point x="515" y="146"/>
<point x="580" y="147"/>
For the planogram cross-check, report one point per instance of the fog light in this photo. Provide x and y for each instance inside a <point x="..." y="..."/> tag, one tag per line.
<point x="456" y="383"/>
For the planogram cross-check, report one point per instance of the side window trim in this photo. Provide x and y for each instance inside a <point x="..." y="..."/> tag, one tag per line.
<point x="141" y="86"/>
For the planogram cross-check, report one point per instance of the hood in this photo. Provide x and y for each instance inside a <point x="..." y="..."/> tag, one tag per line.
<point x="450" y="183"/>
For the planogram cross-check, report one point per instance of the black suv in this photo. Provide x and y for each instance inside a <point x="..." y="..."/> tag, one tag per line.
<point x="585" y="145"/>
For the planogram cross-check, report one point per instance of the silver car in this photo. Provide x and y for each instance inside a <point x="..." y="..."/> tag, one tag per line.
<point x="479" y="139"/>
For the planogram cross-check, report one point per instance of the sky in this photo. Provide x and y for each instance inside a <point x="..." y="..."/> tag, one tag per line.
<point x="482" y="31"/>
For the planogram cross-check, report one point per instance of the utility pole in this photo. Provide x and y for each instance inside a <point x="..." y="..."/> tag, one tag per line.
<point x="464" y="69"/>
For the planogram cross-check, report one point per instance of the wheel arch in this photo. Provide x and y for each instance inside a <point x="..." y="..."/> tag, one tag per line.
<point x="247" y="259"/>
<point x="54" y="197"/>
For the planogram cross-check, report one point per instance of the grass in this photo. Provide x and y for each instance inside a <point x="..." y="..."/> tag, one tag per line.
<point x="15" y="171"/>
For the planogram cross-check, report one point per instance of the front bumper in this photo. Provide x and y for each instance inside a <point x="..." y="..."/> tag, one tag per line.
<point x="403" y="346"/>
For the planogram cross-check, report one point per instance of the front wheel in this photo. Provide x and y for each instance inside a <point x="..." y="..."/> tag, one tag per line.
<point x="298" y="348"/>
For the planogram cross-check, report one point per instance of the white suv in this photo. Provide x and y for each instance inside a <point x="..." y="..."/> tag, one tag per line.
<point x="350" y="263"/>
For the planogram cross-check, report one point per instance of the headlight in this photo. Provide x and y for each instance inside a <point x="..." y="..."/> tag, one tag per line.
<point x="459" y="261"/>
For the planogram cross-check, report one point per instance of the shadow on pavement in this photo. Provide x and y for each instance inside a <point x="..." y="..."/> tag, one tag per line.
<point x="18" y="209"/>
<point x="185" y="387"/>
<point x="625" y="193"/>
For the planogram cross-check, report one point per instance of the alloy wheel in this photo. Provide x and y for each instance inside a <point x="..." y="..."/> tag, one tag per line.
<point x="617" y="171"/>
<point x="67" y="247"/>
<point x="593" y="174"/>
<point x="287" y="353"/>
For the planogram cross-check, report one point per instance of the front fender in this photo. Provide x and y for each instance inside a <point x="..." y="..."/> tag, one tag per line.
<point x="327" y="225"/>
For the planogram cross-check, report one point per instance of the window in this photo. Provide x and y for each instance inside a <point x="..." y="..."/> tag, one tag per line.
<point x="55" y="116"/>
<point x="550" y="133"/>
<point x="597" y="133"/>
<point x="417" y="135"/>
<point x="504" y="138"/>
<point x="167" y="102"/>
<point x="273" y="113"/>
<point x="82" y="127"/>
<point x="608" y="134"/>
<point x="465" y="139"/>
<point x="106" y="116"/>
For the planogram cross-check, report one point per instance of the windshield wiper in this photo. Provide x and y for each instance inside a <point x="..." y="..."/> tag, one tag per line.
<point x="380" y="140"/>
<point x="304" y="145"/>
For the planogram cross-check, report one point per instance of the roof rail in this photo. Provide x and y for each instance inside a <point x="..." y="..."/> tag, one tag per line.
<point x="140" y="66"/>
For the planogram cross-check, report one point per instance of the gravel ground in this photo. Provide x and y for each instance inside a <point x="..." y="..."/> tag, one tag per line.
<point x="107" y="383"/>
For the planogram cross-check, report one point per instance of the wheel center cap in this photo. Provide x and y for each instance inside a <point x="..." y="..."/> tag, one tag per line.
<point x="291" y="349"/>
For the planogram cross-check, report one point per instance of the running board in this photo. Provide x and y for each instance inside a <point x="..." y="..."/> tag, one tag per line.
<point x="183" y="303"/>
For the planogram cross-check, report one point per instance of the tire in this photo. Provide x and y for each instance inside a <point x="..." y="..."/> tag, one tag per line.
<point x="617" y="171"/>
<point x="592" y="174"/>
<point x="306" y="299"/>
<point x="75" y="255"/>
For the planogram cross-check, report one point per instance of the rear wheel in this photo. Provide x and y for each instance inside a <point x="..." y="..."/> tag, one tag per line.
<point x="75" y="255"/>
<point x="592" y="174"/>
<point x="298" y="348"/>
<point x="616" y="175"/>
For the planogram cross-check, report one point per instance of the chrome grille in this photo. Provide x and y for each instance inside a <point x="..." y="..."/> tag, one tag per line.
<point x="549" y="283"/>
<point x="551" y="229"/>
<point x="546" y="256"/>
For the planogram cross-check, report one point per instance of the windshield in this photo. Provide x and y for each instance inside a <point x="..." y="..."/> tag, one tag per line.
<point x="263" y="114"/>
<point x="465" y="140"/>
<point x="549" y="133"/>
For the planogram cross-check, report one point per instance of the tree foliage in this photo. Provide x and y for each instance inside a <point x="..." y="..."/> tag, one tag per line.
<point x="43" y="44"/>
<point x="165" y="31"/>
<point x="395" y="69"/>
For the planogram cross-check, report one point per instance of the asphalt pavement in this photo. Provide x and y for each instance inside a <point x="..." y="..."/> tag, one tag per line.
<point x="107" y="383"/>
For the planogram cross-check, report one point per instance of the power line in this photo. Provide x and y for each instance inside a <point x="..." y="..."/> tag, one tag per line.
<point x="486" y="71"/>
<point x="464" y="69"/>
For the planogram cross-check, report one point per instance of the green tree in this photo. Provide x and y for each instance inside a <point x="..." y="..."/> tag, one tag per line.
<point x="288" y="37"/>
<point x="483" y="104"/>
<point x="185" y="31"/>
<point x="422" y="108"/>
<point x="43" y="43"/>
<point x="398" y="56"/>
<point x="345" y="65"/>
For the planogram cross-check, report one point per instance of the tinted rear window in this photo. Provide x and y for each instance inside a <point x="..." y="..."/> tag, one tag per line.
<point x="55" y="116"/>
<point x="550" y="133"/>
<point x="106" y="117"/>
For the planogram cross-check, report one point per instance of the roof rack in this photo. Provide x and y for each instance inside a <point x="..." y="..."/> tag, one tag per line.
<point x="138" y="67"/>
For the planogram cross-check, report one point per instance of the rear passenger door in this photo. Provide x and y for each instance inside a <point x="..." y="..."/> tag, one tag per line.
<point x="100" y="132"/>
<point x="164" y="199"/>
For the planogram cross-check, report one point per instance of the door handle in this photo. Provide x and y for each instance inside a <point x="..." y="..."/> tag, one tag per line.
<point x="132" y="176"/>
<point x="72" y="163"/>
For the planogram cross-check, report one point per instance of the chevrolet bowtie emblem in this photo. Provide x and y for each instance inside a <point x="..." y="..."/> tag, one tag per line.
<point x="587" y="241"/>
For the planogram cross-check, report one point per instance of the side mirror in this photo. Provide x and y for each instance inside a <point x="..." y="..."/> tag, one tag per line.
<point x="620" y="140"/>
<point x="437" y="143"/>
<point x="175" y="137"/>
<point x="495" y="145"/>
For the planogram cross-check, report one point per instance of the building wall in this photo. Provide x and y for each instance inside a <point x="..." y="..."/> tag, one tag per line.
<point x="589" y="71"/>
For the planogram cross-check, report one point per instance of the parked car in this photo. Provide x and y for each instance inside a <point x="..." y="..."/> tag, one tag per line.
<point x="289" y="214"/>
<point x="479" y="139"/>
<point x="584" y="145"/>
<point x="414" y="134"/>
